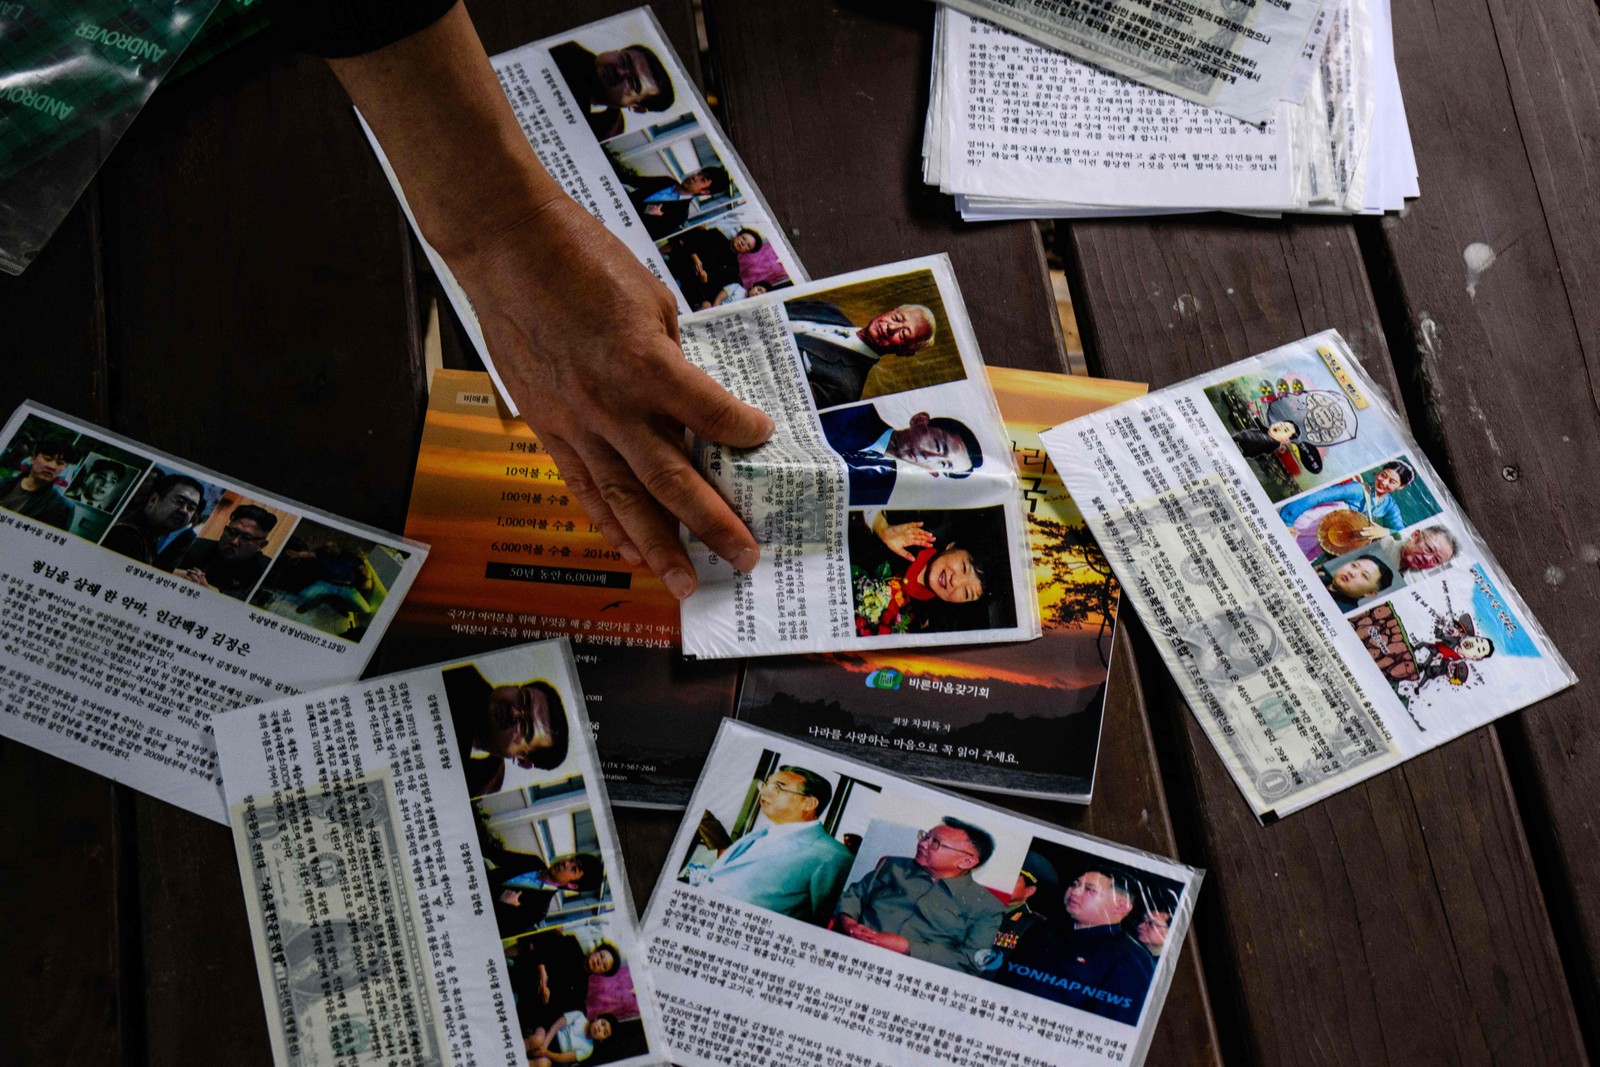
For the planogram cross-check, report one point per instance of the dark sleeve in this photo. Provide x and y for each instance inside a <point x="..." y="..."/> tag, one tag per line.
<point x="336" y="29"/>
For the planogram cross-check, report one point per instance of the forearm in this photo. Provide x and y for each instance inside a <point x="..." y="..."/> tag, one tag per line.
<point x="433" y="100"/>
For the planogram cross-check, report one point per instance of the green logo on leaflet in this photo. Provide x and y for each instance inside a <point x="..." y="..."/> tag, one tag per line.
<point x="884" y="678"/>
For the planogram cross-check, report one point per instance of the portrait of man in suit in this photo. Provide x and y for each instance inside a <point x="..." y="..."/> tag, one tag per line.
<point x="663" y="201"/>
<point x="787" y="862"/>
<point x="838" y="355"/>
<point x="524" y="725"/>
<point x="876" y="452"/>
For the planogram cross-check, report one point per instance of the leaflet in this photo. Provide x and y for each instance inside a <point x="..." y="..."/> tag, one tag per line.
<point x="611" y="113"/>
<point x="886" y="503"/>
<point x="1235" y="56"/>
<point x="431" y="871"/>
<point x="1022" y="718"/>
<point x="515" y="559"/>
<point x="143" y="595"/>
<point x="825" y="911"/>
<point x="1323" y="603"/>
<point x="1018" y="129"/>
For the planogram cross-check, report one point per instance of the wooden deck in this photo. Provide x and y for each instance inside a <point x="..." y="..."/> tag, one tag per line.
<point x="238" y="287"/>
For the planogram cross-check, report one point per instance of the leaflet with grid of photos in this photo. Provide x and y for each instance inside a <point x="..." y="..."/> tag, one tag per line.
<point x="823" y="910"/>
<point x="615" y="118"/>
<point x="432" y="873"/>
<point x="1323" y="603"/>
<point x="143" y="595"/>
<point x="886" y="503"/>
<point x="1021" y="718"/>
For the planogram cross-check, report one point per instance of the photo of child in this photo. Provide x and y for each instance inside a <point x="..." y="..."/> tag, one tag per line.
<point x="929" y="571"/>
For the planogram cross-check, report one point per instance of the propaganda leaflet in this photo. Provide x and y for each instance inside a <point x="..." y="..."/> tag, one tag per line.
<point x="886" y="502"/>
<point x="1323" y="603"/>
<point x="431" y="871"/>
<point x="1233" y="55"/>
<point x="825" y="911"/>
<point x="143" y="594"/>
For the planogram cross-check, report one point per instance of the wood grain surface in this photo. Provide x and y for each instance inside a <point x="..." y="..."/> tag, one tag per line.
<point x="238" y="287"/>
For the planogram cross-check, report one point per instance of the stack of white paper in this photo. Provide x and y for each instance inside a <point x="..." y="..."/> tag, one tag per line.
<point x="1019" y="130"/>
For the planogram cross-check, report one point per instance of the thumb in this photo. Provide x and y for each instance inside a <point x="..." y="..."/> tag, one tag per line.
<point x="710" y="411"/>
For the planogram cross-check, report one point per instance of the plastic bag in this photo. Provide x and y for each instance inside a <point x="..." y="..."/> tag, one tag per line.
<point x="72" y="77"/>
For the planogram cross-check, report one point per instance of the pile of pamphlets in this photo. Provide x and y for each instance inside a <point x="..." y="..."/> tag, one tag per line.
<point x="1017" y="129"/>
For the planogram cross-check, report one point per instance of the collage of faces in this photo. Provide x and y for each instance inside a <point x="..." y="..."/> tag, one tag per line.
<point x="875" y="354"/>
<point x="197" y="529"/>
<point x="949" y="887"/>
<point x="1344" y="487"/>
<point x="545" y="869"/>
<point x="716" y="242"/>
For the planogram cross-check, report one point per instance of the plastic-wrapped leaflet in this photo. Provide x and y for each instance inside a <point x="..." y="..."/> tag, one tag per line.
<point x="76" y="75"/>
<point x="1323" y="603"/>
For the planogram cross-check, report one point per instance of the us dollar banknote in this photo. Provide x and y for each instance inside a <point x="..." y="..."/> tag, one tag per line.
<point x="1234" y="55"/>
<point x="339" y="938"/>
<point x="1245" y="649"/>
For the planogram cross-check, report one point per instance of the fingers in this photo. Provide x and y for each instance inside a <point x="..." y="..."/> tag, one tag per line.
<point x="576" y="475"/>
<point x="659" y="476"/>
<point x="711" y="412"/>
<point x="644" y="523"/>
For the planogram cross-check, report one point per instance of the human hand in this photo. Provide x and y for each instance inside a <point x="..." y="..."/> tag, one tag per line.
<point x="586" y="341"/>
<point x="511" y="896"/>
<point x="894" y="943"/>
<point x="902" y="538"/>
<point x="1374" y="533"/>
<point x="192" y="574"/>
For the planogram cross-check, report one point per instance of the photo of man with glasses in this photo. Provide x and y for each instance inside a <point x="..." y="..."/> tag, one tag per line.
<point x="787" y="862"/>
<point x="233" y="563"/>
<point x="928" y="905"/>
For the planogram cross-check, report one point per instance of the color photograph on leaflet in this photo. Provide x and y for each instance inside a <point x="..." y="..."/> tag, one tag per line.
<point x="839" y="904"/>
<point x="1022" y="718"/>
<point x="874" y="337"/>
<point x="62" y="478"/>
<point x="515" y="558"/>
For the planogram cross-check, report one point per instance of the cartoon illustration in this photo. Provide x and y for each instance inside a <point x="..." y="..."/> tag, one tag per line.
<point x="1284" y="426"/>
<point x="1415" y="666"/>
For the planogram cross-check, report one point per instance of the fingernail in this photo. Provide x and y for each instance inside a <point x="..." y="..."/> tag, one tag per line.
<point x="631" y="554"/>
<point x="746" y="559"/>
<point x="680" y="583"/>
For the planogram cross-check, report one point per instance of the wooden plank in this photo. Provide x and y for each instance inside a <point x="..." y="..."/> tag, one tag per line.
<point x="1375" y="913"/>
<point x="849" y="104"/>
<point x="1510" y="357"/>
<point x="260" y="323"/>
<point x="68" y="863"/>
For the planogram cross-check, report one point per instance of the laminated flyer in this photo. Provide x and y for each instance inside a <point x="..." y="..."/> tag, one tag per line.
<point x="886" y="503"/>
<point x="1021" y="718"/>
<point x="611" y="113"/>
<point x="1325" y="606"/>
<point x="432" y="874"/>
<point x="143" y="595"/>
<point x="515" y="558"/>
<point x="818" y="910"/>
<point x="1238" y="56"/>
